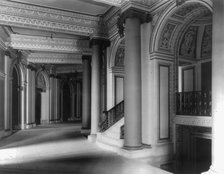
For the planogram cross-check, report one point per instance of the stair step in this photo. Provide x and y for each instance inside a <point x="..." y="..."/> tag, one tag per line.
<point x="112" y="134"/>
<point x="109" y="140"/>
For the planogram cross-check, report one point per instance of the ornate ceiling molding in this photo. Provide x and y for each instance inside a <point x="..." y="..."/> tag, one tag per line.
<point x="52" y="58"/>
<point x="35" y="17"/>
<point x="49" y="44"/>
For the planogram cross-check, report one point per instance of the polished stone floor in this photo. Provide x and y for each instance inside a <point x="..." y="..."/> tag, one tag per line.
<point x="61" y="149"/>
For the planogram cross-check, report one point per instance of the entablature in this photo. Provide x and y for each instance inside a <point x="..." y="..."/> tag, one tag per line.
<point x="40" y="43"/>
<point x="55" y="58"/>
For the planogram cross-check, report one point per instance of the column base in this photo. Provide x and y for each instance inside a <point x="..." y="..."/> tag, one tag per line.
<point x="30" y="125"/>
<point x="92" y="138"/>
<point x="85" y="131"/>
<point x="133" y="147"/>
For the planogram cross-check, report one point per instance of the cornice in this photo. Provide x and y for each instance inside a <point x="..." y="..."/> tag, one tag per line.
<point x="48" y="44"/>
<point x="30" y="16"/>
<point x="193" y="121"/>
<point x="54" y="58"/>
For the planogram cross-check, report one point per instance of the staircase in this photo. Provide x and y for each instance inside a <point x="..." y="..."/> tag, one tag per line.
<point x="111" y="134"/>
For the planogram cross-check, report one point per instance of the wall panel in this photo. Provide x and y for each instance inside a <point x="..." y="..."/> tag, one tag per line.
<point x="164" y="102"/>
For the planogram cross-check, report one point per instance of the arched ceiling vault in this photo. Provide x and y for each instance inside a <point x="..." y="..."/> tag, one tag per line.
<point x="170" y="30"/>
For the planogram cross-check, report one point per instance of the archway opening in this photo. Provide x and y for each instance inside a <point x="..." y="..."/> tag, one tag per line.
<point x="193" y="51"/>
<point x="16" y="116"/>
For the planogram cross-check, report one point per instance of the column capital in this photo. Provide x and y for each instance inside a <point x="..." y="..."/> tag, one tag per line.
<point x="52" y="76"/>
<point x="100" y="41"/>
<point x="132" y="12"/>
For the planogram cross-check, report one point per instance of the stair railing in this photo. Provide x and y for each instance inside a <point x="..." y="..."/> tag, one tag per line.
<point x="112" y="116"/>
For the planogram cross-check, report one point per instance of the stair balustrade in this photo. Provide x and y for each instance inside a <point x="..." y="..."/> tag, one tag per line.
<point x="112" y="116"/>
<point x="196" y="103"/>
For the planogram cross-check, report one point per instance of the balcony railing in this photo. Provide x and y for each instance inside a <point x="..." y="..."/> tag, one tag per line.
<point x="112" y="116"/>
<point x="196" y="103"/>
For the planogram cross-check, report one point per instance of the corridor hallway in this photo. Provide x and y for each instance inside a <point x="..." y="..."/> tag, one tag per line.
<point x="60" y="149"/>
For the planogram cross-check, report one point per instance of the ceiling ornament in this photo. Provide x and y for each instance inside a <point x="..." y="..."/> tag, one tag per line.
<point x="41" y="43"/>
<point x="189" y="42"/>
<point x="167" y="35"/>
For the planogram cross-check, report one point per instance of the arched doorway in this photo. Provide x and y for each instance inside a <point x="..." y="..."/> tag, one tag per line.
<point x="66" y="102"/>
<point x="16" y="117"/>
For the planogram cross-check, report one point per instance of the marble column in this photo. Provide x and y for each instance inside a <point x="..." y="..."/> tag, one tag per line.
<point x="86" y="92"/>
<point x="97" y="46"/>
<point x="217" y="166"/>
<point x="132" y="76"/>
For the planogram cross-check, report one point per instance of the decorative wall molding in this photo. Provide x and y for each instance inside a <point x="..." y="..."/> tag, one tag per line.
<point x="52" y="58"/>
<point x="49" y="44"/>
<point x="35" y="17"/>
<point x="193" y="120"/>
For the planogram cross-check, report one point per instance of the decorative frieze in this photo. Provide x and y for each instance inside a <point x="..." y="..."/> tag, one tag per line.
<point x="48" y="44"/>
<point x="52" y="58"/>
